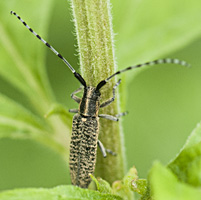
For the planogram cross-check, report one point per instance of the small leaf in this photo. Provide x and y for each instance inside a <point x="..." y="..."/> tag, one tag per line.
<point x="165" y="185"/>
<point x="123" y="188"/>
<point x="60" y="193"/>
<point x="119" y="189"/>
<point x="130" y="176"/>
<point x="139" y="186"/>
<point x="187" y="166"/>
<point x="102" y="185"/>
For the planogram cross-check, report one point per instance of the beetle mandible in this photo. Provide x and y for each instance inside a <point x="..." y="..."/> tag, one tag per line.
<point x="85" y="128"/>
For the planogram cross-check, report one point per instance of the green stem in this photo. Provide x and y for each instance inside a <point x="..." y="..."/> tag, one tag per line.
<point x="95" y="42"/>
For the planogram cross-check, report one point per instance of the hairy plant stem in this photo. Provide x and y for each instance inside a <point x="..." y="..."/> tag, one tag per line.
<point x="95" y="41"/>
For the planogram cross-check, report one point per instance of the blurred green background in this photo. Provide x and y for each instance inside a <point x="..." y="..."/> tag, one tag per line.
<point x="164" y="104"/>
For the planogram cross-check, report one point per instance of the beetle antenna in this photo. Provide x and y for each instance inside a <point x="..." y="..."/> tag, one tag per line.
<point x="155" y="62"/>
<point x="77" y="75"/>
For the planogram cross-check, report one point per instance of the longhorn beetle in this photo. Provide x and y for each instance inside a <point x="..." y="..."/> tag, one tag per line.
<point x="85" y="128"/>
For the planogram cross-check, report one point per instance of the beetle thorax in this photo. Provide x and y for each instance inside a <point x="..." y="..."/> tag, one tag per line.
<point x="90" y="103"/>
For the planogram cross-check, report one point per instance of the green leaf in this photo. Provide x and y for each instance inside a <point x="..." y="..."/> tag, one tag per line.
<point x="18" y="122"/>
<point x="165" y="185"/>
<point x="187" y="166"/>
<point x="60" y="192"/>
<point x="139" y="186"/>
<point x="195" y="137"/>
<point x="123" y="188"/>
<point x="22" y="60"/>
<point x="58" y="109"/>
<point x="14" y="115"/>
<point x="129" y="177"/>
<point x="147" y="30"/>
<point x="181" y="177"/>
<point x="22" y="65"/>
<point x="131" y="182"/>
<point x="102" y="185"/>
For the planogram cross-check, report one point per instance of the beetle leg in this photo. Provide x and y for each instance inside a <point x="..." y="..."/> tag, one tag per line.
<point x="113" y="118"/>
<point x="111" y="152"/>
<point x="73" y="110"/>
<point x="77" y="99"/>
<point x="104" y="150"/>
<point x="121" y="114"/>
<point x="110" y="117"/>
<point x="109" y="101"/>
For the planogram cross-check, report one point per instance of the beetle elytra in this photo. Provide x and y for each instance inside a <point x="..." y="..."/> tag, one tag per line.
<point x="85" y="128"/>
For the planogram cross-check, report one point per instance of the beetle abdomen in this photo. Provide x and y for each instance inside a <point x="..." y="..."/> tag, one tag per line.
<point x="83" y="149"/>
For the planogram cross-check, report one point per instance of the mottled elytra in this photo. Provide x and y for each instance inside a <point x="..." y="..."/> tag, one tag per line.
<point x="85" y="128"/>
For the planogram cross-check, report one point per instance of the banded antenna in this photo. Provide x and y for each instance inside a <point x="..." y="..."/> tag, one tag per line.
<point x="155" y="62"/>
<point x="77" y="75"/>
